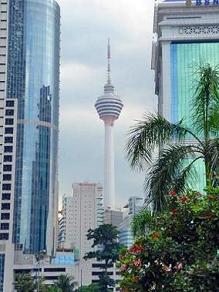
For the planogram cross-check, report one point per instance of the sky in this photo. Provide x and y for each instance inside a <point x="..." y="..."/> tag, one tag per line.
<point x="85" y="27"/>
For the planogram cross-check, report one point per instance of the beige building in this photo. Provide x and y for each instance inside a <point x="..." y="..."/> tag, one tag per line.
<point x="80" y="212"/>
<point x="113" y="217"/>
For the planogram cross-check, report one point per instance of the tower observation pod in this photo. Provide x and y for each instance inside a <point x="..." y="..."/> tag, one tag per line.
<point x="109" y="107"/>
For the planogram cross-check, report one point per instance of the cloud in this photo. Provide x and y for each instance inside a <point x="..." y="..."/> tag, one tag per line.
<point x="86" y="25"/>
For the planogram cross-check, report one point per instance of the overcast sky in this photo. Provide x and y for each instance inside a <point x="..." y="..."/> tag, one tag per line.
<point x="85" y="27"/>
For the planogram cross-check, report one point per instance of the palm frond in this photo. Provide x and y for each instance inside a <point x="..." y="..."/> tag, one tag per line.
<point x="141" y="222"/>
<point x="185" y="177"/>
<point x="166" y="173"/>
<point x="214" y="120"/>
<point x="149" y="134"/>
<point x="206" y="99"/>
<point x="212" y="154"/>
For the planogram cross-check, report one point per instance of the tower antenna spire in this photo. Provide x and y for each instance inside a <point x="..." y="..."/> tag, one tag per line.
<point x="109" y="64"/>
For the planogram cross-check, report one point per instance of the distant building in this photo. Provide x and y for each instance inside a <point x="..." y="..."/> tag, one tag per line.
<point x="113" y="217"/>
<point x="43" y="266"/>
<point x="134" y="206"/>
<point x="80" y="212"/>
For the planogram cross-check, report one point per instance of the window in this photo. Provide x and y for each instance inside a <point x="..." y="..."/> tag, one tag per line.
<point x="9" y="121"/>
<point x="7" y="158"/>
<point x="6" y="176"/>
<point x="9" y="112"/>
<point x="6" y="196"/>
<point x="4" y="236"/>
<point x="6" y="187"/>
<point x="5" y="206"/>
<point x="8" y="149"/>
<point x="54" y="270"/>
<point x="4" y="226"/>
<point x="5" y="216"/>
<point x="7" y="167"/>
<point x="8" y="139"/>
<point x="8" y="130"/>
<point x="10" y="103"/>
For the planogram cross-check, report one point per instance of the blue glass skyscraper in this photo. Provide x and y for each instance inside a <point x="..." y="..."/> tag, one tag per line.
<point x="187" y="34"/>
<point x="33" y="79"/>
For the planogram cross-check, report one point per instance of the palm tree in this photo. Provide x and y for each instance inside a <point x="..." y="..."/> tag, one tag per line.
<point x="65" y="283"/>
<point x="170" y="171"/>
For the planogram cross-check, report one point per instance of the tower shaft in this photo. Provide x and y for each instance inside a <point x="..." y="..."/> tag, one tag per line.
<point x="109" y="167"/>
<point x="109" y="107"/>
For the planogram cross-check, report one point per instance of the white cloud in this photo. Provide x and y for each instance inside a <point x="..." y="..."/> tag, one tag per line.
<point x="86" y="25"/>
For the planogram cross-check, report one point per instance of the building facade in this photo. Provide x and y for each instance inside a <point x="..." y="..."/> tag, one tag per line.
<point x="29" y="106"/>
<point x="135" y="204"/>
<point x="113" y="217"/>
<point x="186" y="36"/>
<point x="80" y="212"/>
<point x="33" y="80"/>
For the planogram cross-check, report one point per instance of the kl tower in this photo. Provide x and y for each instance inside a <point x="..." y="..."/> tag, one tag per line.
<point x="109" y="107"/>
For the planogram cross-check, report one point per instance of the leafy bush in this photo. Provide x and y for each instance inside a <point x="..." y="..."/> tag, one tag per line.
<point x="179" y="252"/>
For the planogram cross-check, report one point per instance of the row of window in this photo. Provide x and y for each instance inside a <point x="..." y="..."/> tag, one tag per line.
<point x="6" y="196"/>
<point x="6" y="206"/>
<point x="7" y="168"/>
<point x="5" y="216"/>
<point x="4" y="236"/>
<point x="7" y="158"/>
<point x="4" y="226"/>
<point x="9" y="130"/>
<point x="6" y="187"/>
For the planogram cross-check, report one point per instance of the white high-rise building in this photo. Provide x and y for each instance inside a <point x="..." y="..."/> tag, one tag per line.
<point x="109" y="107"/>
<point x="80" y="212"/>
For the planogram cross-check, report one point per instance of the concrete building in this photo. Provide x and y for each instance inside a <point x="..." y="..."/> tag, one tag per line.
<point x="113" y="217"/>
<point x="46" y="267"/>
<point x="134" y="206"/>
<point x="80" y="212"/>
<point x="109" y="107"/>
<point x="29" y="104"/>
<point x="186" y="36"/>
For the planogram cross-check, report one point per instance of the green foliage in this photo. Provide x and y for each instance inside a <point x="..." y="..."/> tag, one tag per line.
<point x="24" y="283"/>
<point x="202" y="276"/>
<point x="105" y="237"/>
<point x="65" y="283"/>
<point x="52" y="288"/>
<point x="90" y="288"/>
<point x="105" y="242"/>
<point x="179" y="251"/>
<point x="169" y="171"/>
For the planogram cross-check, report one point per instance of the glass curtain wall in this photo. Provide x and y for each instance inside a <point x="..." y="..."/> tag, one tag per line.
<point x="2" y="267"/>
<point x="185" y="60"/>
<point x="37" y="89"/>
